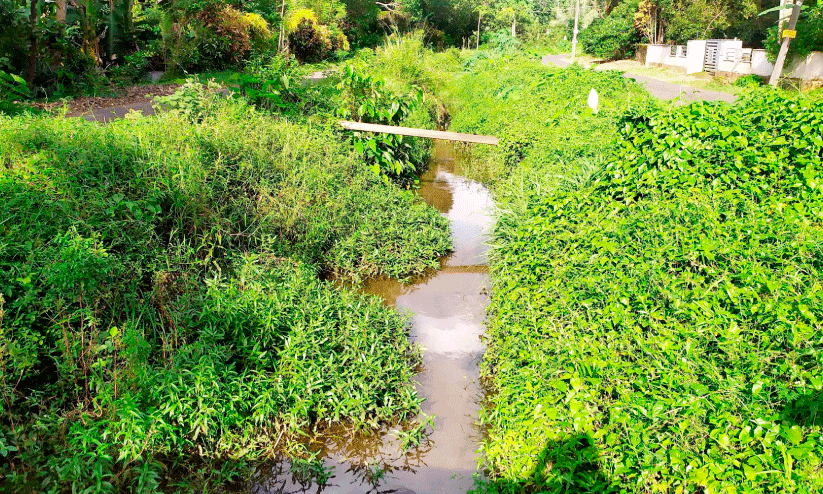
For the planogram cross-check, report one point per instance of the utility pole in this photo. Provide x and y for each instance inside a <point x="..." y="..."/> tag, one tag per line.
<point x="788" y="34"/>
<point x="280" y="39"/>
<point x="574" y="33"/>
<point x="479" y="18"/>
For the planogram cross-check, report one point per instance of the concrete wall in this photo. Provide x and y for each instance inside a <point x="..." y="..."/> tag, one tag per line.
<point x="661" y="55"/>
<point x="761" y="64"/>
<point x="809" y="68"/>
<point x="733" y="60"/>
<point x="695" y="55"/>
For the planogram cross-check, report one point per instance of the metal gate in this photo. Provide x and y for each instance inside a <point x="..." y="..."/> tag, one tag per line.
<point x="712" y="53"/>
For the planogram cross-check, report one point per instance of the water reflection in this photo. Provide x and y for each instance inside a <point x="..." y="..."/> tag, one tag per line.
<point x="447" y="313"/>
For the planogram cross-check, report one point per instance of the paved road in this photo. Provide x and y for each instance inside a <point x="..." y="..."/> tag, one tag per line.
<point x="659" y="89"/>
<point x="105" y="115"/>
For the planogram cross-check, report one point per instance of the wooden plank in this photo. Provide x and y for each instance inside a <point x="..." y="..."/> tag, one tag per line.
<point x="430" y="134"/>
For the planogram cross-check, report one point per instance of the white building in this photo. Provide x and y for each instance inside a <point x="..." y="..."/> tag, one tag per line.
<point x="727" y="57"/>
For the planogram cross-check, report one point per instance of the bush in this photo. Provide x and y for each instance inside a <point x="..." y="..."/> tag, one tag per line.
<point x="132" y="70"/>
<point x="613" y="37"/>
<point x="749" y="81"/>
<point x="215" y="38"/>
<point x="310" y="41"/>
<point x="502" y="41"/>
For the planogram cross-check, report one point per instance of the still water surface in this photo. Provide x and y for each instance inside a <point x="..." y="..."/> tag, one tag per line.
<point x="447" y="314"/>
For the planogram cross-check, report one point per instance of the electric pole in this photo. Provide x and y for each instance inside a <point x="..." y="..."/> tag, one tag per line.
<point x="788" y="34"/>
<point x="574" y="33"/>
<point x="479" y="18"/>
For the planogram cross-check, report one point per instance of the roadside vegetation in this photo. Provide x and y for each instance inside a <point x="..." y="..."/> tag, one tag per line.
<point x="654" y="324"/>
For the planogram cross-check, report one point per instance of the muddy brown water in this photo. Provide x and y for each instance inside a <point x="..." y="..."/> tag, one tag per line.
<point x="447" y="310"/>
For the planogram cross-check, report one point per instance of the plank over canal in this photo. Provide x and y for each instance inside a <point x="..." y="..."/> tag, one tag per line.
<point x="431" y="134"/>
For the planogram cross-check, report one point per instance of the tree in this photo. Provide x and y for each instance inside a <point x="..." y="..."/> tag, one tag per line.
<point x="809" y="32"/>
<point x="613" y="36"/>
<point x="512" y="11"/>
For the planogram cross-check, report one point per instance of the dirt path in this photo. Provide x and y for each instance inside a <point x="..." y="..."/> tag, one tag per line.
<point x="99" y="109"/>
<point x="659" y="89"/>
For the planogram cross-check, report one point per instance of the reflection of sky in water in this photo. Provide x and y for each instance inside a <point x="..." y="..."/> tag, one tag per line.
<point x="447" y="311"/>
<point x="471" y="219"/>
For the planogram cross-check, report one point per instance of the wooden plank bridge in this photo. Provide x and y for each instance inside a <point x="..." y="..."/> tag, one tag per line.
<point x="430" y="134"/>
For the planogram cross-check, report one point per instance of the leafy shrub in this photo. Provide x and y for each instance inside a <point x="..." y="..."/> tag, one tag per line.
<point x="213" y="37"/>
<point x="299" y="16"/>
<point x="365" y="99"/>
<point x="502" y="41"/>
<point x="132" y="70"/>
<point x="12" y="87"/>
<point x="613" y="36"/>
<point x="310" y="41"/>
<point x="749" y="81"/>
<point x="809" y="33"/>
<point x="194" y="100"/>
<point x="240" y="31"/>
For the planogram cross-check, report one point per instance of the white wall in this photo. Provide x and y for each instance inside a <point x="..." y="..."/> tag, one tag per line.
<point x="730" y="60"/>
<point x="809" y="68"/>
<point x="760" y="63"/>
<point x="661" y="55"/>
<point x="694" y="57"/>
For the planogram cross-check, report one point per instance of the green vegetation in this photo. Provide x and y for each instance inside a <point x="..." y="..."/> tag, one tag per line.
<point x="160" y="302"/>
<point x="165" y="314"/>
<point x="656" y="298"/>
<point x="614" y="36"/>
<point x="809" y="32"/>
<point x="64" y="48"/>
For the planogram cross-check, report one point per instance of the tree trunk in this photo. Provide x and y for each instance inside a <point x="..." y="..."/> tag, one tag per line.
<point x="514" y="27"/>
<point x="61" y="11"/>
<point x="280" y="41"/>
<point x="129" y="25"/>
<point x="111" y="33"/>
<point x="32" y="69"/>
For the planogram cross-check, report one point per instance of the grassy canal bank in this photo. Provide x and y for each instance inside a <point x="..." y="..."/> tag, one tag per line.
<point x="163" y="319"/>
<point x="655" y="316"/>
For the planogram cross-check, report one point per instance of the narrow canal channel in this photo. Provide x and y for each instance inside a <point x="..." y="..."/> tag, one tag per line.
<point x="447" y="315"/>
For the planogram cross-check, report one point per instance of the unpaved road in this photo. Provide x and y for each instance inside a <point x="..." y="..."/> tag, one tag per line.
<point x="658" y="89"/>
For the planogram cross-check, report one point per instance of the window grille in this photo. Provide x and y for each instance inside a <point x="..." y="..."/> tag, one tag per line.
<point x="673" y="51"/>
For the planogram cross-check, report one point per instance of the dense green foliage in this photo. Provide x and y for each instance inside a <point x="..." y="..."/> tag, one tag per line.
<point x="159" y="293"/>
<point x="656" y="297"/>
<point x="613" y="36"/>
<point x="809" y="32"/>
